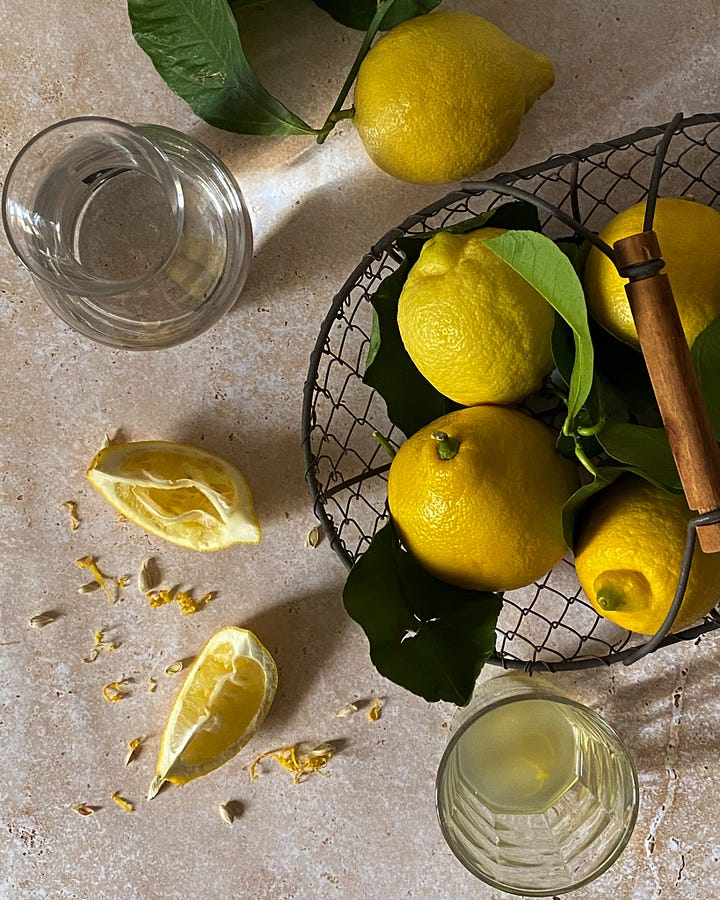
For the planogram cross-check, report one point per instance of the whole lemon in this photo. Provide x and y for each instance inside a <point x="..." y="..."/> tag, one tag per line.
<point x="689" y="236"/>
<point x="476" y="497"/>
<point x="441" y="96"/>
<point x="628" y="556"/>
<point x="473" y="327"/>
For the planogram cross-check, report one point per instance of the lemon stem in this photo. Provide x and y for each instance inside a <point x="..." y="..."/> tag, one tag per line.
<point x="384" y="443"/>
<point x="611" y="600"/>
<point x="447" y="447"/>
<point x="583" y="458"/>
<point x="337" y="112"/>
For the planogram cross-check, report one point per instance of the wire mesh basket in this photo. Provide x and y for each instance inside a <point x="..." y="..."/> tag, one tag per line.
<point x="550" y="624"/>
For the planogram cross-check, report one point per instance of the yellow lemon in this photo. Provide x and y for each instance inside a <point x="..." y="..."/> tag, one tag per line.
<point x="689" y="236"/>
<point x="441" y="96"/>
<point x="473" y="327"/>
<point x="186" y="495"/>
<point x="628" y="556"/>
<point x="477" y="495"/>
<point x="222" y="703"/>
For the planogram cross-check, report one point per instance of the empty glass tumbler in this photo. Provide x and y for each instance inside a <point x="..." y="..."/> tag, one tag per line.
<point x="536" y="794"/>
<point x="137" y="236"/>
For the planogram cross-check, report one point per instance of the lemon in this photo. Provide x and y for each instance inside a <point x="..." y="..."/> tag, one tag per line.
<point x="441" y="96"/>
<point x="186" y="495"/>
<point x="223" y="701"/>
<point x="473" y="327"/>
<point x="628" y="556"/>
<point x="689" y="236"/>
<point x="476" y="497"/>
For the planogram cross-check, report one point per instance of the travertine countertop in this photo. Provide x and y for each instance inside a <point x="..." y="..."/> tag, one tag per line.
<point x="368" y="830"/>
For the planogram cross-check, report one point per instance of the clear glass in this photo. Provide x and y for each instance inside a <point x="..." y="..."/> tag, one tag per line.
<point x="536" y="794"/>
<point x="137" y="236"/>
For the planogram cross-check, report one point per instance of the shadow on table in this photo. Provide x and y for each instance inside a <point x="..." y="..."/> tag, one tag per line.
<point x="302" y="635"/>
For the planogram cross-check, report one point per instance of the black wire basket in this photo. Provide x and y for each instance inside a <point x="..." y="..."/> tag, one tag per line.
<point x="550" y="624"/>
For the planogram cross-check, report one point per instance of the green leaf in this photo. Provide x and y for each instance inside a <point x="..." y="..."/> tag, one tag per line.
<point x="705" y="354"/>
<point x="646" y="450"/>
<point x="195" y="46"/>
<point x="544" y="265"/>
<point x="425" y="635"/>
<point x="359" y="13"/>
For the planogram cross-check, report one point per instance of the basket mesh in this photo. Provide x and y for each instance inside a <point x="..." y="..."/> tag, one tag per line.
<point x="550" y="623"/>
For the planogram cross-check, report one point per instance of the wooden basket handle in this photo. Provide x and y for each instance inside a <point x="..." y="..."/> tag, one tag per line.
<point x="677" y="390"/>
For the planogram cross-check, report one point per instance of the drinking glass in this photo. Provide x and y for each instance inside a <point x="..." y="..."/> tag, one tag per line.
<point x="137" y="236"/>
<point x="536" y="794"/>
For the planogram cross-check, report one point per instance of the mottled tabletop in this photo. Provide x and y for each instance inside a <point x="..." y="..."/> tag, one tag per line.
<point x="368" y="829"/>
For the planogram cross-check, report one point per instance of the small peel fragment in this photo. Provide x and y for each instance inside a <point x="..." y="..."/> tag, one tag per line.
<point x="100" y="644"/>
<point x="122" y="802"/>
<point x="345" y="711"/>
<point x="71" y="506"/>
<point x="375" y="710"/>
<point x="301" y="764"/>
<point x="115" y="690"/>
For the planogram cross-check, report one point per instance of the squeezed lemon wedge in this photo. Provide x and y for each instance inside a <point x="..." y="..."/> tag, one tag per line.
<point x="222" y="703"/>
<point x="186" y="495"/>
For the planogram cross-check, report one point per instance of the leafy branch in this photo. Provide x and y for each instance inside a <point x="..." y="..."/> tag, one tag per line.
<point x="196" y="47"/>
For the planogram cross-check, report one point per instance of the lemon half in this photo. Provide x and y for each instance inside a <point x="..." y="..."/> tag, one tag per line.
<point x="186" y="495"/>
<point x="222" y="703"/>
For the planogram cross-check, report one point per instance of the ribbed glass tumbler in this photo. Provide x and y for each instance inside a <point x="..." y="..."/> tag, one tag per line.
<point x="536" y="794"/>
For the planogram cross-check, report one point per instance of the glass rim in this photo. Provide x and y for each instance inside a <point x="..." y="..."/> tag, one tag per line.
<point x="542" y="693"/>
<point x="101" y="287"/>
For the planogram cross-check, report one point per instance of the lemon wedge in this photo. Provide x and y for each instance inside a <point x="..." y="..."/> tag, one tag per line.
<point x="186" y="495"/>
<point x="223" y="701"/>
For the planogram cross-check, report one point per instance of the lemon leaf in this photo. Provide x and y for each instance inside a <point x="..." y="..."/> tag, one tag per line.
<point x="359" y="13"/>
<point x="574" y="504"/>
<point x="427" y="636"/>
<point x="646" y="449"/>
<point x="195" y="47"/>
<point x="544" y="265"/>
<point x="705" y="354"/>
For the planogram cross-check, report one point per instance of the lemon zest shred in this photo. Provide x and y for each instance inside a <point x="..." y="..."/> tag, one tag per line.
<point x="122" y="582"/>
<point x="188" y="605"/>
<point x="122" y="802"/>
<point x="87" y="562"/>
<point x="374" y="711"/>
<point x="152" y="685"/>
<point x="100" y="644"/>
<point x="72" y="513"/>
<point x="156" y="599"/>
<point x="301" y="764"/>
<point x="115" y="691"/>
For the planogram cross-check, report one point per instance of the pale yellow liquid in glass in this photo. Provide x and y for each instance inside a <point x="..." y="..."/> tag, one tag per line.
<point x="519" y="757"/>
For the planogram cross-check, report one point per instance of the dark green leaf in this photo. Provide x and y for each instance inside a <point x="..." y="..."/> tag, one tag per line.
<point x="550" y="272"/>
<point x="625" y="383"/>
<point x="237" y="4"/>
<point x="359" y="13"/>
<point x="196" y="48"/>
<point x="705" y="355"/>
<point x="646" y="449"/>
<point x="424" y="634"/>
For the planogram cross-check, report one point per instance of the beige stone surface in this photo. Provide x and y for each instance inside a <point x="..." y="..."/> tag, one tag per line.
<point x="369" y="830"/>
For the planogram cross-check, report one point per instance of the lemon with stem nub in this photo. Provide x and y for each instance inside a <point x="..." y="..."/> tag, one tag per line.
<point x="629" y="551"/>
<point x="477" y="495"/>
